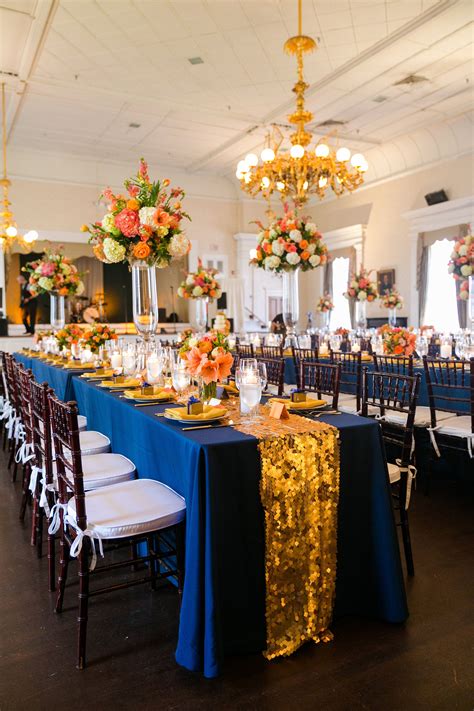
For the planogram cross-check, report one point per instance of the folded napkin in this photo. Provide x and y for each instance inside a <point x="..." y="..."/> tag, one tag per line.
<point x="209" y="413"/>
<point x="130" y="383"/>
<point x="309" y="404"/>
<point x="230" y="388"/>
<point x="365" y="358"/>
<point x="78" y="366"/>
<point x="158" y="394"/>
<point x="105" y="374"/>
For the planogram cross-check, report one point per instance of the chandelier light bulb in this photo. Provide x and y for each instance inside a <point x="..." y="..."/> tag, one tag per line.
<point x="239" y="174"/>
<point x="251" y="159"/>
<point x="297" y="151"/>
<point x="322" y="150"/>
<point x="242" y="166"/>
<point x="11" y="231"/>
<point x="357" y="160"/>
<point x="322" y="182"/>
<point x="343" y="154"/>
<point x="363" y="167"/>
<point x="265" y="182"/>
<point x="267" y="155"/>
<point x="305" y="185"/>
<point x="31" y="236"/>
<point x="247" y="178"/>
<point x="280" y="185"/>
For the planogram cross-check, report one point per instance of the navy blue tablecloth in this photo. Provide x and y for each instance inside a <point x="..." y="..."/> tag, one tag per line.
<point x="58" y="378"/>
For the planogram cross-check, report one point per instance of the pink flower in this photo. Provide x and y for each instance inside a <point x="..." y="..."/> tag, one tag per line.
<point x="128" y="222"/>
<point x="108" y="194"/>
<point x="143" y="170"/>
<point x="47" y="269"/>
<point x="194" y="357"/>
<point x="133" y="190"/>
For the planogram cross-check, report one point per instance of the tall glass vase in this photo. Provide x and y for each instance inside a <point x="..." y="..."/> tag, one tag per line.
<point x="202" y="306"/>
<point x="291" y="306"/>
<point x="471" y="305"/>
<point x="326" y="317"/>
<point x="361" y="315"/>
<point x="57" y="312"/>
<point x="392" y="317"/>
<point x="145" y="299"/>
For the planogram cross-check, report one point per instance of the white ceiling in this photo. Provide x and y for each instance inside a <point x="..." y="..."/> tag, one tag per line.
<point x="89" y="68"/>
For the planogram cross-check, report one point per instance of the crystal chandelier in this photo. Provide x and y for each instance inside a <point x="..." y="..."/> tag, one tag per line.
<point x="303" y="170"/>
<point x="8" y="227"/>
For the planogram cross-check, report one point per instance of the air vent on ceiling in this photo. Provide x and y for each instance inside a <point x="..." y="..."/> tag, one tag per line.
<point x="330" y="122"/>
<point x="379" y="99"/>
<point x="196" y="60"/>
<point x="134" y="125"/>
<point x="410" y="80"/>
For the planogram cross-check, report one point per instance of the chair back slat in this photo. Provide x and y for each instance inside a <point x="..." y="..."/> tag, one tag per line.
<point x="351" y="374"/>
<point x="321" y="378"/>
<point x="245" y="350"/>
<point x="272" y="351"/>
<point x="275" y="372"/>
<point x="403" y="365"/>
<point x="41" y="428"/>
<point x="450" y="385"/>
<point x="25" y="378"/>
<point x="299" y="354"/>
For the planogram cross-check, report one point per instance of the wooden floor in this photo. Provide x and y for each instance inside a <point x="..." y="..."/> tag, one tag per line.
<point x="426" y="664"/>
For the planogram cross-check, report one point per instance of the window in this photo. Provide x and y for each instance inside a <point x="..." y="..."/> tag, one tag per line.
<point x="340" y="317"/>
<point x="440" y="307"/>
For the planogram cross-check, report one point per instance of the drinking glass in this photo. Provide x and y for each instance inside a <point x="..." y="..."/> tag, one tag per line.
<point x="181" y="379"/>
<point x="154" y="368"/>
<point x="262" y="372"/>
<point x="250" y="393"/>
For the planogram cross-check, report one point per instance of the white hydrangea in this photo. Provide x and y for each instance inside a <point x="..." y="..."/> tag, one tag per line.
<point x="218" y="293"/>
<point x="179" y="245"/>
<point x="311" y="228"/>
<point x="315" y="260"/>
<point x="466" y="270"/>
<point x="197" y="291"/>
<point x="108" y="223"/>
<point x="66" y="269"/>
<point x="293" y="258"/>
<point x="272" y="234"/>
<point x="454" y="254"/>
<point x="190" y="280"/>
<point x="463" y="250"/>
<point x="277" y="248"/>
<point x="354" y="284"/>
<point x="362" y="295"/>
<point x="146" y="215"/>
<point x="261" y="236"/>
<point x="310" y="248"/>
<point x="113" y="251"/>
<point x="180" y="291"/>
<point x="80" y="288"/>
<point x="45" y="283"/>
<point x="272" y="262"/>
<point x="295" y="235"/>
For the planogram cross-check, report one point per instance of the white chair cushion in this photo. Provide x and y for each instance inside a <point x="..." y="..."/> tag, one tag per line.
<point x="82" y="422"/>
<point x="102" y="470"/>
<point x="456" y="426"/>
<point x="131" y="508"/>
<point x="93" y="443"/>
<point x="348" y="404"/>
<point x="422" y="416"/>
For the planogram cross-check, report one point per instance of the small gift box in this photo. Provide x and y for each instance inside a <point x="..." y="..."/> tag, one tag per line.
<point x="119" y="378"/>
<point x="195" y="406"/>
<point x="147" y="389"/>
<point x="298" y="395"/>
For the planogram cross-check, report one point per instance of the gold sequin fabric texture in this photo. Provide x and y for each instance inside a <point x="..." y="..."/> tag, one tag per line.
<point x="300" y="492"/>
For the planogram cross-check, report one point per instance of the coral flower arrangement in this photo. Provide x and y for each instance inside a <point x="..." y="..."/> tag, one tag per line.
<point x="290" y="242"/>
<point x="97" y="336"/>
<point x="69" y="335"/>
<point x="200" y="283"/>
<point x="461" y="263"/>
<point x="144" y="225"/>
<point x="397" y="341"/>
<point x="325" y="304"/>
<point x="54" y="274"/>
<point x="361" y="288"/>
<point x="207" y="358"/>
<point x="391" y="299"/>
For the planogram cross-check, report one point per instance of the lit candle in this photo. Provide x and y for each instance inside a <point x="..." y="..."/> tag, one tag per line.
<point x="86" y="355"/>
<point x="116" y="360"/>
<point x="445" y="350"/>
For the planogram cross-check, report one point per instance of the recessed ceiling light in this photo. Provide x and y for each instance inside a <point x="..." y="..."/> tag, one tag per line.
<point x="410" y="80"/>
<point x="134" y="125"/>
<point x="196" y="60"/>
<point x="331" y="122"/>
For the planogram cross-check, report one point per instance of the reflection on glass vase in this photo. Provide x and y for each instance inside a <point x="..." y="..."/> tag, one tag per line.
<point x="207" y="391"/>
<point x="57" y="312"/>
<point x="392" y="317"/>
<point x="145" y="299"/>
<point x="202" y="305"/>
<point x="291" y="306"/>
<point x="361" y="315"/>
<point x="326" y="317"/>
<point x="471" y="302"/>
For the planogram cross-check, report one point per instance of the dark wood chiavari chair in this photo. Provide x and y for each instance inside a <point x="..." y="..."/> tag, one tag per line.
<point x="299" y="354"/>
<point x="401" y="365"/>
<point x="272" y="351"/>
<point x="26" y="452"/>
<point x="235" y="364"/>
<point x="351" y="380"/>
<point x="118" y="514"/>
<point x="245" y="350"/>
<point x="275" y="372"/>
<point x="321" y="378"/>
<point x="387" y="392"/>
<point x="15" y="402"/>
<point x="450" y="385"/>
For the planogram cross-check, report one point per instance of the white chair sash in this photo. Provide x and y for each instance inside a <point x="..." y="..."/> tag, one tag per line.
<point x="411" y="473"/>
<point x="55" y="517"/>
<point x="80" y="535"/>
<point x="35" y="472"/>
<point x="25" y="452"/>
<point x="43" y="501"/>
<point x="468" y="436"/>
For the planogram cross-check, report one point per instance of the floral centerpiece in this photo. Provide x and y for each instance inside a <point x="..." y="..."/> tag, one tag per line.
<point x="68" y="336"/>
<point x="461" y="263"/>
<point x="325" y="304"/>
<point x="144" y="225"/>
<point x="397" y="341"/>
<point x="97" y="336"/>
<point x="39" y="336"/>
<point x="361" y="288"/>
<point x="344" y="332"/>
<point x="391" y="299"/>
<point x="54" y="273"/>
<point x="288" y="243"/>
<point x="199" y="284"/>
<point x="207" y="358"/>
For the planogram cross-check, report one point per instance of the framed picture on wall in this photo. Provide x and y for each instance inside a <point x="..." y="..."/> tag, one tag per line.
<point x="385" y="280"/>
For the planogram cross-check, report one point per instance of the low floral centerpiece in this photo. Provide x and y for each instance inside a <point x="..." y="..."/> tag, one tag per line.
<point x="289" y="242"/>
<point x="397" y="341"/>
<point x="200" y="284"/>
<point x="68" y="336"/>
<point x="325" y="304"/>
<point x="391" y="299"/>
<point x="361" y="288"/>
<point x="54" y="273"/>
<point x="461" y="263"/>
<point x="144" y="225"/>
<point x="97" y="336"/>
<point x="208" y="359"/>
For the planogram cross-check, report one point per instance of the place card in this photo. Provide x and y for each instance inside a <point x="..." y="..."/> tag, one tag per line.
<point x="278" y="411"/>
<point x="214" y="402"/>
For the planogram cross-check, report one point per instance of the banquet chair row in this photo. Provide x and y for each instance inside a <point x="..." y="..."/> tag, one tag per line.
<point x="92" y="498"/>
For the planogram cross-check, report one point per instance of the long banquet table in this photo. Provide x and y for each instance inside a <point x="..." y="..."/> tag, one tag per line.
<point x="217" y="471"/>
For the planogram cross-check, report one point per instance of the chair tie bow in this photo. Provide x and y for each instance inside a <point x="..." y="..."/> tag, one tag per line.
<point x="55" y="517"/>
<point x="25" y="452"/>
<point x="76" y="546"/>
<point x="35" y="472"/>
<point x="43" y="501"/>
<point x="411" y="473"/>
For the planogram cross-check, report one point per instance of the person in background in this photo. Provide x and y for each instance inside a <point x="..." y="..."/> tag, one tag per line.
<point x="278" y="325"/>
<point x="28" y="305"/>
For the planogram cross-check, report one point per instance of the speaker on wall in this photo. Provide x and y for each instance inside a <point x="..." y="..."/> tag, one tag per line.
<point x="436" y="197"/>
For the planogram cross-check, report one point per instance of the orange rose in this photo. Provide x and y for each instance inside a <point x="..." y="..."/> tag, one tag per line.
<point x="305" y="255"/>
<point x="205" y="346"/>
<point x="398" y="349"/>
<point x="303" y="244"/>
<point x="63" y="291"/>
<point x="212" y="293"/>
<point x="133" y="204"/>
<point x="141" y="250"/>
<point x="268" y="248"/>
<point x="99" y="252"/>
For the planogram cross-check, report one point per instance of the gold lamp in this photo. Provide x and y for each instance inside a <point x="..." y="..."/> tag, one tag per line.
<point x="303" y="170"/>
<point x="8" y="227"/>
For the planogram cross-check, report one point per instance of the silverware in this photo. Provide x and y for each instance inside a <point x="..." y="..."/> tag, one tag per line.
<point x="147" y="404"/>
<point x="207" y="427"/>
<point x="328" y="412"/>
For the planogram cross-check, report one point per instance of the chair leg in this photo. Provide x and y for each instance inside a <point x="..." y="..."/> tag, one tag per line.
<point x="51" y="562"/>
<point x="428" y="473"/>
<point x="83" y="562"/>
<point x="151" y="543"/>
<point x="63" y="568"/>
<point x="15" y="471"/>
<point x="25" y="494"/>
<point x="406" y="540"/>
<point x="35" y="513"/>
<point x="180" y="556"/>
<point x="12" y="454"/>
<point x="39" y="532"/>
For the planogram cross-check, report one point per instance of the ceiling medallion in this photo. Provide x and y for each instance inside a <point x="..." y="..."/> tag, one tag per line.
<point x="304" y="170"/>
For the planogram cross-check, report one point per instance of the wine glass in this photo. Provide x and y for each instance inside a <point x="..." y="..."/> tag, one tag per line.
<point x="262" y="372"/>
<point x="250" y="393"/>
<point x="181" y="378"/>
<point x="154" y="368"/>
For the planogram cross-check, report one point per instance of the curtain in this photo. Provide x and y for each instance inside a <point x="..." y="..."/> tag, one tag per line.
<point x="352" y="270"/>
<point x="327" y="279"/>
<point x="422" y="277"/>
<point x="93" y="275"/>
